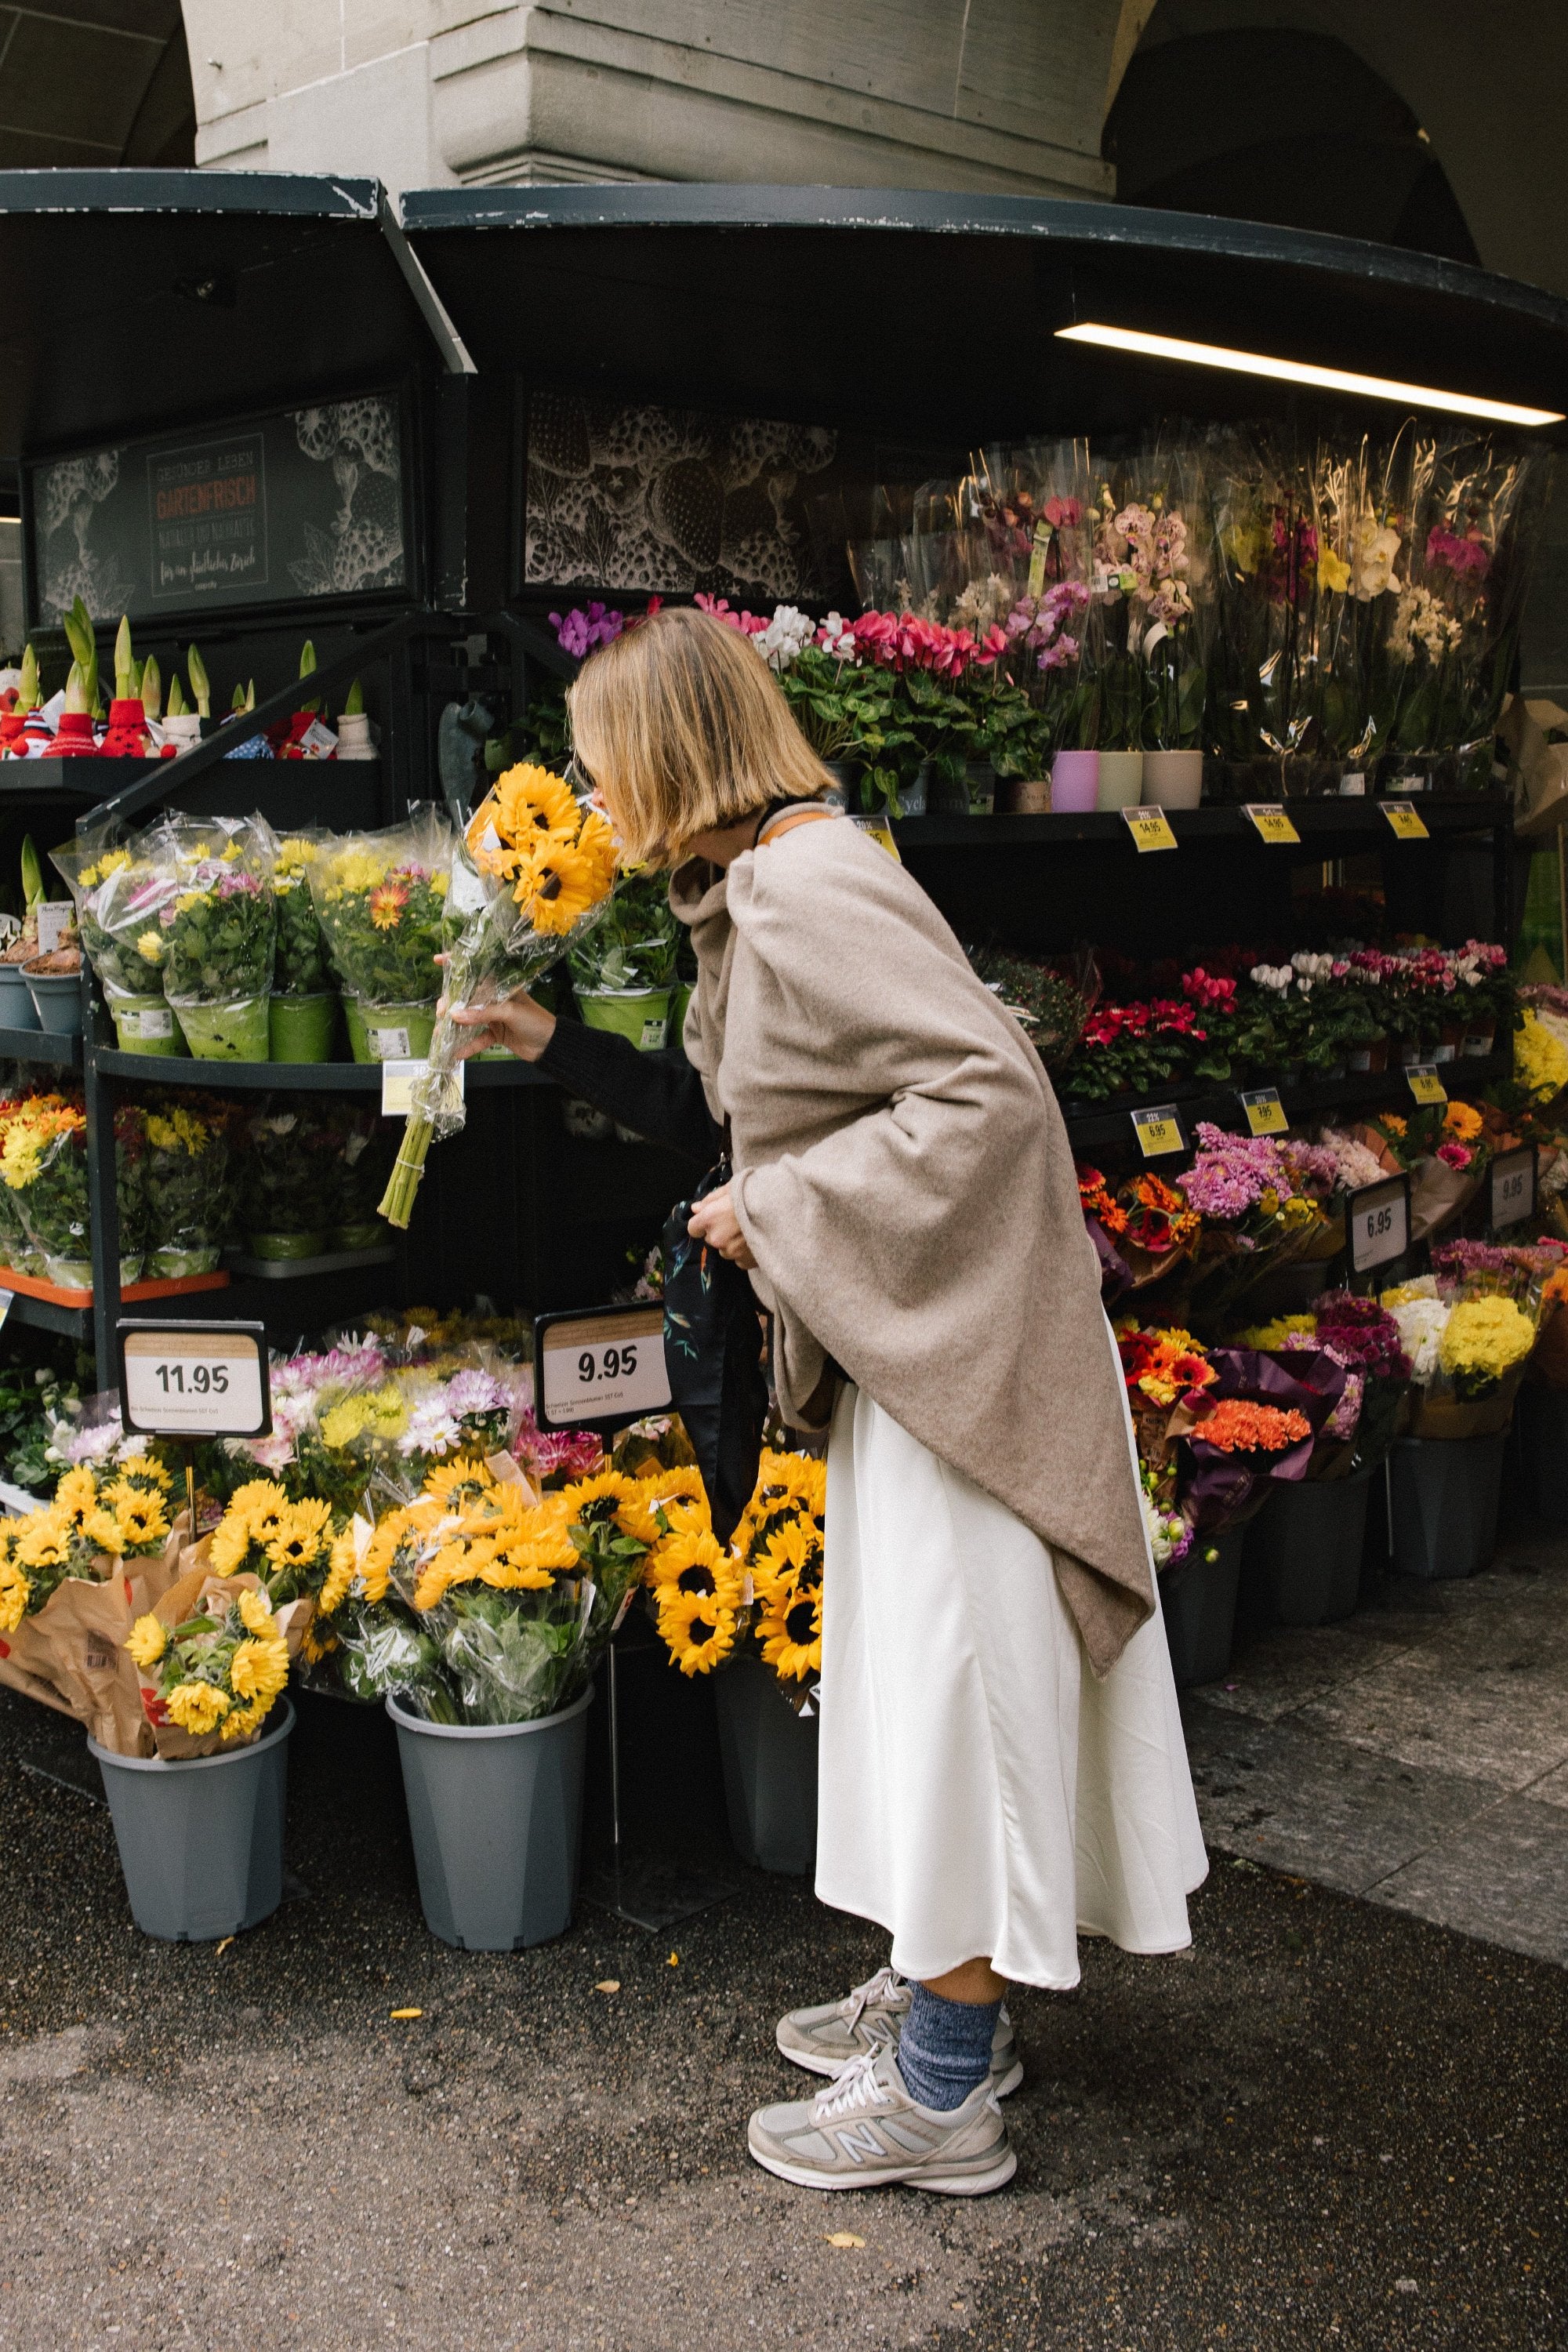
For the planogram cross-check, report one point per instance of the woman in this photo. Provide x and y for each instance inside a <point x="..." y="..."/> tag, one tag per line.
<point x="1001" y="1756"/>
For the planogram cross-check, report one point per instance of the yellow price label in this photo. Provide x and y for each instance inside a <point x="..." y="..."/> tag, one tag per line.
<point x="877" y="829"/>
<point x="1150" y="829"/>
<point x="1408" y="824"/>
<point x="1425" y="1084"/>
<point x="1271" y="821"/>
<point x="1264" y="1111"/>
<point x="1159" y="1130"/>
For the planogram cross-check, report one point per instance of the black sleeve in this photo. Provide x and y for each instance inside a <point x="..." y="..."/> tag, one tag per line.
<point x="659" y="1096"/>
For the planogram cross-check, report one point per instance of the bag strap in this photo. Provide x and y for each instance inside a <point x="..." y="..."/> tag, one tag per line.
<point x="781" y="826"/>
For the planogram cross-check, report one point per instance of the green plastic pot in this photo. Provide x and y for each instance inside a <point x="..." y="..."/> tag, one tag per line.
<point x="287" y="1245"/>
<point x="640" y="1014"/>
<point x="177" y="1264"/>
<point x="146" y="1025"/>
<point x="299" y="1028"/>
<point x="226" y="1033"/>
<point x="369" y="1235"/>
<point x="389" y="1032"/>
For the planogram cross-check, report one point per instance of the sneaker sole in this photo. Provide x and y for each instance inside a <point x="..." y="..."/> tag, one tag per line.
<point x="953" y="2184"/>
<point x="833" y="2067"/>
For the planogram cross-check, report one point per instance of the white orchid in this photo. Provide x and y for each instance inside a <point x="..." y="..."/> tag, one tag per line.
<point x="1375" y="551"/>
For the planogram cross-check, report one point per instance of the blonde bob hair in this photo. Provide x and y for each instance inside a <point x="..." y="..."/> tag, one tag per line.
<point x="685" y="729"/>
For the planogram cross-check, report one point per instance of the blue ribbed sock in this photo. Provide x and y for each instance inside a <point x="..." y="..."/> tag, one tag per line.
<point x="944" y="2050"/>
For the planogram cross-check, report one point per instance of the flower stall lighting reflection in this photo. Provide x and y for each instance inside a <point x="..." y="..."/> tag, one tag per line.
<point x="1327" y="379"/>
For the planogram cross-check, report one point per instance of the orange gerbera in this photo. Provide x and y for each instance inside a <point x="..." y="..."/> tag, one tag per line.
<point x="386" y="905"/>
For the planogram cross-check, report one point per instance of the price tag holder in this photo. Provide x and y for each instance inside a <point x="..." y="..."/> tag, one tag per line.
<point x="1405" y="822"/>
<point x="599" y="1366"/>
<point x="1513" y="1187"/>
<point x="7" y="1300"/>
<point x="1159" y="1130"/>
<point x="1273" y="825"/>
<point x="1150" y="829"/>
<point x="398" y="1080"/>
<point x="193" y="1379"/>
<point x="1425" y="1084"/>
<point x="1264" y="1111"/>
<point x="1377" y="1223"/>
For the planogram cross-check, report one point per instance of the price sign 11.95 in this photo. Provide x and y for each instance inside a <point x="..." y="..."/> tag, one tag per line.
<point x="605" y="1364"/>
<point x="1377" y="1223"/>
<point x="194" y="1380"/>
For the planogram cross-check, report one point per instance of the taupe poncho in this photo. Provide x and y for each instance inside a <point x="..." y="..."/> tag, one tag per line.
<point x="904" y="1180"/>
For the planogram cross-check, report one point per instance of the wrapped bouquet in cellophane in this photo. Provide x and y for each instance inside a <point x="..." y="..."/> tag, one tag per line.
<point x="535" y="873"/>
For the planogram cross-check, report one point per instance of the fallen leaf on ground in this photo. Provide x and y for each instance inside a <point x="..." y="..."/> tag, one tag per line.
<point x="610" y="1984"/>
<point x="406" y="2012"/>
<point x="223" y="1947"/>
<point x="843" y="2238"/>
<point x="673" y="1961"/>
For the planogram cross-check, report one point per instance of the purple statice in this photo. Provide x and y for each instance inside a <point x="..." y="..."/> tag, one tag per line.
<point x="578" y="632"/>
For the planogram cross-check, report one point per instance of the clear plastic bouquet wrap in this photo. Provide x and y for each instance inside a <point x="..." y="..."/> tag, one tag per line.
<point x="100" y="873"/>
<point x="288" y="1178"/>
<point x="43" y="1164"/>
<point x="185" y="1175"/>
<point x="195" y="906"/>
<point x="363" y="1146"/>
<point x="302" y="968"/>
<point x="535" y="873"/>
<point x="381" y="900"/>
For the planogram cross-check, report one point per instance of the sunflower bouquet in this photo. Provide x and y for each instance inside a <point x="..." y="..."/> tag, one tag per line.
<point x="534" y="873"/>
<point x="73" y="1575"/>
<point x="195" y="905"/>
<point x="213" y="1656"/>
<point x="759" y="1598"/>
<point x="185" y="1173"/>
<point x="381" y="900"/>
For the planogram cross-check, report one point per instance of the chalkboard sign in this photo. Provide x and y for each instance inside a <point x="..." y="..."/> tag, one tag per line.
<point x="267" y="511"/>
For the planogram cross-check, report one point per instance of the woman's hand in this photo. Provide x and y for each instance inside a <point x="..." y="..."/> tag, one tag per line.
<point x="713" y="1221"/>
<point x="523" y="1027"/>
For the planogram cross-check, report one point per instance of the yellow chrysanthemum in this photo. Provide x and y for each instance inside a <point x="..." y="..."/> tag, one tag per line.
<point x="698" y="1629"/>
<point x="15" y="1589"/>
<point x="531" y="801"/>
<point x="357" y="870"/>
<point x="790" y="1630"/>
<point x="147" y="1641"/>
<point x="197" y="1707"/>
<point x="258" y="1670"/>
<point x="555" y="884"/>
<point x="256" y="1612"/>
<point x="293" y="856"/>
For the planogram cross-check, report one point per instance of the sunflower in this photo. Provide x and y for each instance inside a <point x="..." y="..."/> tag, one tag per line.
<point x="580" y="1498"/>
<point x="104" y="1532"/>
<point x="230" y="1545"/>
<point x="531" y="801"/>
<point x="44" y="1540"/>
<point x="455" y="1483"/>
<point x="304" y="1529"/>
<point x="556" y="884"/>
<point x="696" y="1562"/>
<point x="197" y="1707"/>
<point x="340" y="1575"/>
<point x="143" y="1520"/>
<point x="790" y="1630"/>
<point x="15" y="1590"/>
<point x="77" y="1494"/>
<point x="261" y="1502"/>
<point x="792" y="1555"/>
<point x="699" y="1630"/>
<point x="140" y="1472"/>
<point x="147" y="1641"/>
<point x="254" y="1612"/>
<point x="597" y="843"/>
<point x="258" y="1669"/>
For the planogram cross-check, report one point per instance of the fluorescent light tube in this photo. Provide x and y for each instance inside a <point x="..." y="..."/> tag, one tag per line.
<point x="1327" y="379"/>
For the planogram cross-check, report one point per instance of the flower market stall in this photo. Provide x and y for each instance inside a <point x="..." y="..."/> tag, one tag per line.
<point x="1179" y="688"/>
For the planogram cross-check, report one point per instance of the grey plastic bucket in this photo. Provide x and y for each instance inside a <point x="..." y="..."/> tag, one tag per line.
<point x="1306" y="1544"/>
<point x="1445" y="1499"/>
<point x="1197" y="1602"/>
<point x="497" y="1815"/>
<point x="1541" y="1426"/>
<point x="769" y="1755"/>
<point x="201" y="1842"/>
<point x="18" y="1010"/>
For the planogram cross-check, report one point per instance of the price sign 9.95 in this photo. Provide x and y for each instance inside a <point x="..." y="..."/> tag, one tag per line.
<point x="605" y="1364"/>
<point x="194" y="1380"/>
<point x="1377" y="1223"/>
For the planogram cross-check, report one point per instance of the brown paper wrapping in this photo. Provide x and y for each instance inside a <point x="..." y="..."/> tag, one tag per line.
<point x="1444" y="1416"/>
<point x="1437" y="1194"/>
<point x="71" y="1654"/>
<point x="1550" y="1360"/>
<point x="183" y="1598"/>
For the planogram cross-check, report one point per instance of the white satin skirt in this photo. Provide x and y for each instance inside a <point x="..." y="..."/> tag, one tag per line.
<point x="982" y="1794"/>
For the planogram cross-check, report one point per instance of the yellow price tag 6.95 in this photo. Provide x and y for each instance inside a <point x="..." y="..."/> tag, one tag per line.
<point x="1273" y="825"/>
<point x="1405" y="822"/>
<point x="1159" y="1130"/>
<point x="1425" y="1084"/>
<point x="1264" y="1111"/>
<point x="1150" y="829"/>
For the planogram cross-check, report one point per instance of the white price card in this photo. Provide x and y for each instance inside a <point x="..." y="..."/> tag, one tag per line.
<point x="7" y="1300"/>
<point x="1513" y="1186"/>
<point x="398" y="1080"/>
<point x="1377" y="1223"/>
<point x="605" y="1365"/>
<point x="54" y="919"/>
<point x="194" y="1380"/>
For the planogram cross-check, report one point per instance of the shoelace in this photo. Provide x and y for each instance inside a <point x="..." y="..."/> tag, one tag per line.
<point x="881" y="1987"/>
<point x="856" y="2087"/>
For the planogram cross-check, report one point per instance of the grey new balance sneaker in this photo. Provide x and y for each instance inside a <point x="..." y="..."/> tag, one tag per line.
<point x="826" y="2040"/>
<point x="864" y="2131"/>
